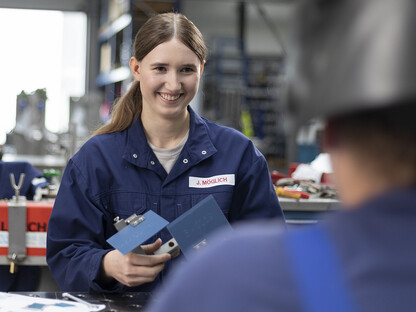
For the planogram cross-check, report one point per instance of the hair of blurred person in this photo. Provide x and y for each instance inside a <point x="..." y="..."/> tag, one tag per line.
<point x="372" y="151"/>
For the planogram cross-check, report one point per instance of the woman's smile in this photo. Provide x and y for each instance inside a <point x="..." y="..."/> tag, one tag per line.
<point x="170" y="98"/>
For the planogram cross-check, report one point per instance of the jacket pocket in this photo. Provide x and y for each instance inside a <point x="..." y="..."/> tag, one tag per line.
<point x="223" y="199"/>
<point x="124" y="204"/>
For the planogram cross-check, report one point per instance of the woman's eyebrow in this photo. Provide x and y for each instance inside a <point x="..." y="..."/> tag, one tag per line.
<point x="159" y="64"/>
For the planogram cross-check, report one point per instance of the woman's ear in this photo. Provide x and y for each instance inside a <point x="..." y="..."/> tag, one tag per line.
<point x="135" y="68"/>
<point x="202" y="68"/>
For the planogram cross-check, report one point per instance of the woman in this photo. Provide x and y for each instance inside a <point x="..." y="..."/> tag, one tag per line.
<point x="153" y="155"/>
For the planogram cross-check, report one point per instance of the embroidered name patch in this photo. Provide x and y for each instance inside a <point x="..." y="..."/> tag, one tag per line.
<point x="224" y="179"/>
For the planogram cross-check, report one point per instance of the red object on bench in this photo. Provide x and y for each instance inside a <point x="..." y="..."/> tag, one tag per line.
<point x="37" y="218"/>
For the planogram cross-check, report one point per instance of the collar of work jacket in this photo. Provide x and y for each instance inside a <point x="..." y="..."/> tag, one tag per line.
<point x="198" y="147"/>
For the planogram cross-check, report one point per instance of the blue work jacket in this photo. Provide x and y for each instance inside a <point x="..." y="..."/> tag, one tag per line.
<point x="118" y="174"/>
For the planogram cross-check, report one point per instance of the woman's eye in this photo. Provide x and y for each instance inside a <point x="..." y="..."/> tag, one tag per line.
<point x="187" y="69"/>
<point x="160" y="68"/>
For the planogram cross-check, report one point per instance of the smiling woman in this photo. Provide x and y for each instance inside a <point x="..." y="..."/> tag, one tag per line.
<point x="155" y="154"/>
<point x="41" y="49"/>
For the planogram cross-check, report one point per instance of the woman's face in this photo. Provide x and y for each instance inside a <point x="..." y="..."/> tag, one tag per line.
<point x="169" y="78"/>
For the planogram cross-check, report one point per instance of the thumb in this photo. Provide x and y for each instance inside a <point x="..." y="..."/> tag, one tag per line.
<point x="151" y="248"/>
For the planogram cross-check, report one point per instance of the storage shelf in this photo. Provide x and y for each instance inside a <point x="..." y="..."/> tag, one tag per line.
<point x="116" y="75"/>
<point x="120" y="20"/>
<point x="113" y="28"/>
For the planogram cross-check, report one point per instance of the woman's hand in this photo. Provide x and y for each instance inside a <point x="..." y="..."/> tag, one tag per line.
<point x="134" y="269"/>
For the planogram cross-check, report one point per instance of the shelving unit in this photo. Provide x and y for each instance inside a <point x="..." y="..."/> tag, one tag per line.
<point x="120" y="20"/>
<point x="243" y="92"/>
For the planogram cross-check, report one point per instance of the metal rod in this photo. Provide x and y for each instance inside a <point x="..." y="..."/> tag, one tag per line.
<point x="96" y="307"/>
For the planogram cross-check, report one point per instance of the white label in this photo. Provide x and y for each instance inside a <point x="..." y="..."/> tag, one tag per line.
<point x="225" y="179"/>
<point x="33" y="239"/>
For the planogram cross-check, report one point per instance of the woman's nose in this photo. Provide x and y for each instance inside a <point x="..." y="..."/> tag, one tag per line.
<point x="173" y="82"/>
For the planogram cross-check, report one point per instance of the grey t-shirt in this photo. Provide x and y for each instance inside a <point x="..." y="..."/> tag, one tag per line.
<point x="168" y="156"/>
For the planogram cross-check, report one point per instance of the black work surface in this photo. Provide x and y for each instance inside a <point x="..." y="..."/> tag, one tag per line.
<point x="113" y="302"/>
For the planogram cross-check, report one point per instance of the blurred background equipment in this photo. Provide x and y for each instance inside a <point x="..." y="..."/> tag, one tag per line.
<point x="30" y="135"/>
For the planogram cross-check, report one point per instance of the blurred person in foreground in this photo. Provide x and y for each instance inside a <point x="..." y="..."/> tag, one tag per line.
<point x="353" y="64"/>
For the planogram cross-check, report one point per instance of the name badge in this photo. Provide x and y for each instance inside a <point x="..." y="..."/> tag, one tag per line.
<point x="224" y="179"/>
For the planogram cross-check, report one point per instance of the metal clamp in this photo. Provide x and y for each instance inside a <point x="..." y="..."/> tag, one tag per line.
<point x="17" y="187"/>
<point x="170" y="246"/>
<point x="133" y="220"/>
<point x="17" y="224"/>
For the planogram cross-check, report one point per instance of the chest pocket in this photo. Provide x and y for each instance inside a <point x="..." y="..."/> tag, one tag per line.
<point x="124" y="204"/>
<point x="222" y="197"/>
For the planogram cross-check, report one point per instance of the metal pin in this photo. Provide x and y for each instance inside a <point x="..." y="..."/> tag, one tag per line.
<point x="92" y="306"/>
<point x="13" y="266"/>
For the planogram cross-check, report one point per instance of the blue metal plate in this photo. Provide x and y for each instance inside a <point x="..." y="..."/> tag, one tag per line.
<point x="192" y="229"/>
<point x="133" y="236"/>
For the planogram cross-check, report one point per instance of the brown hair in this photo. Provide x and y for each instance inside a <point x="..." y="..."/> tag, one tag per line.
<point x="385" y="140"/>
<point x="156" y="30"/>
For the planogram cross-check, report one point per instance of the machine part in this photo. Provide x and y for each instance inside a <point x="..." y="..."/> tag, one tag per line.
<point x="171" y="247"/>
<point x="13" y="266"/>
<point x="119" y="224"/>
<point x="143" y="229"/>
<point x="17" y="224"/>
<point x="200" y="244"/>
<point x="198" y="224"/>
<point x="133" y="220"/>
<point x="18" y="186"/>
<point x="286" y="182"/>
<point x="138" y="250"/>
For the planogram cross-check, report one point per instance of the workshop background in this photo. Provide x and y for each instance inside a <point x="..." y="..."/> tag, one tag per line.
<point x="63" y="63"/>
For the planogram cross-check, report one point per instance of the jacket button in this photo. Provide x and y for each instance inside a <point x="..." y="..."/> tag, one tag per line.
<point x="134" y="155"/>
<point x="152" y="163"/>
<point x="204" y="152"/>
<point x="185" y="161"/>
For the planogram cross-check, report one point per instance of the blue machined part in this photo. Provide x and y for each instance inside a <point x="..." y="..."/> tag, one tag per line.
<point x="134" y="220"/>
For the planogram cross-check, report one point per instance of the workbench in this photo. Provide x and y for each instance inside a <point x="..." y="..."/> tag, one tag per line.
<point x="306" y="211"/>
<point x="130" y="301"/>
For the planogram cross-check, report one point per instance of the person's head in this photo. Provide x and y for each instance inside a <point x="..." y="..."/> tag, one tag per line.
<point x="354" y="66"/>
<point x="372" y="151"/>
<point x="169" y="53"/>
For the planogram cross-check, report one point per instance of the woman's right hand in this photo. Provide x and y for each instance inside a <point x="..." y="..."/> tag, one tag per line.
<point x="134" y="269"/>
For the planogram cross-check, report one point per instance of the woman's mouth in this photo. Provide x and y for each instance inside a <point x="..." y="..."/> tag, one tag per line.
<point x="170" y="97"/>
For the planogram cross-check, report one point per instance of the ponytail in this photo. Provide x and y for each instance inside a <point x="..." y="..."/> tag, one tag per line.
<point x="125" y="111"/>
